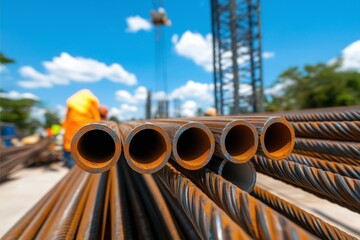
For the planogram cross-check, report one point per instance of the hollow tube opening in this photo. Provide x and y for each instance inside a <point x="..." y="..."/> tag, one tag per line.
<point x="278" y="140"/>
<point x="148" y="148"/>
<point x="193" y="146"/>
<point x="240" y="142"/>
<point x="242" y="175"/>
<point x="96" y="146"/>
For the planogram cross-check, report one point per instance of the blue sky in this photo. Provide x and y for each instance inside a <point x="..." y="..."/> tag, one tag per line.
<point x="93" y="35"/>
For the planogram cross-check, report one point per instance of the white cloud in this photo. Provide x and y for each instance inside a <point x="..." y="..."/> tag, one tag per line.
<point x="196" y="47"/>
<point x="278" y="89"/>
<point x="66" y="68"/>
<point x="189" y="109"/>
<point x="61" y="111"/>
<point x="38" y="113"/>
<point x="2" y="68"/>
<point x="267" y="55"/>
<point x="137" y="23"/>
<point x="125" y="112"/>
<point x="194" y="90"/>
<point x="16" y="95"/>
<point x="351" y="57"/>
<point x="139" y="95"/>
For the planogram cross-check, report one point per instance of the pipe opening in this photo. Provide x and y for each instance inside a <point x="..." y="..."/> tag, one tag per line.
<point x="240" y="142"/>
<point x="278" y="140"/>
<point x="148" y="147"/>
<point x="96" y="146"/>
<point x="193" y="146"/>
<point x="242" y="175"/>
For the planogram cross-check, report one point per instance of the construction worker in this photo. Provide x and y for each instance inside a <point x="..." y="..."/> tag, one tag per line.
<point x="83" y="107"/>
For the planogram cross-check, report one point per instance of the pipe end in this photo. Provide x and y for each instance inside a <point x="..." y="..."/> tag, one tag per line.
<point x="147" y="148"/>
<point x="239" y="141"/>
<point x="96" y="147"/>
<point x="277" y="138"/>
<point x="193" y="145"/>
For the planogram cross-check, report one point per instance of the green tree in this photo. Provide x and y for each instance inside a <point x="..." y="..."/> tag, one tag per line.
<point x="315" y="86"/>
<point x="5" y="60"/>
<point x="51" y="118"/>
<point x="18" y="112"/>
<point x="114" y="119"/>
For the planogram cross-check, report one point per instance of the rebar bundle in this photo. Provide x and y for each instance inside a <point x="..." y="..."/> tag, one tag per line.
<point x="346" y="170"/>
<point x="310" y="222"/>
<point x="337" y="148"/>
<point x="14" y="158"/>
<point x="334" y="187"/>
<point x="345" y="131"/>
<point x="259" y="221"/>
<point x="325" y="114"/>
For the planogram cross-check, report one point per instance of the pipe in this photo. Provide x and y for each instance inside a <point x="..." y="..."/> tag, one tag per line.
<point x="147" y="147"/>
<point x="96" y="146"/>
<point x="193" y="144"/>
<point x="242" y="175"/>
<point x="276" y="136"/>
<point x="313" y="224"/>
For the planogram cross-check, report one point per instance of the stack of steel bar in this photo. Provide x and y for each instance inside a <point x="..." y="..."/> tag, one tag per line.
<point x="14" y="158"/>
<point x="325" y="160"/>
<point x="201" y="176"/>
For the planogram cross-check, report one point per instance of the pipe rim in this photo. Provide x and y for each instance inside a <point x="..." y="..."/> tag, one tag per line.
<point x="139" y="167"/>
<point x="90" y="166"/>
<point x="244" y="157"/>
<point x="198" y="162"/>
<point x="285" y="150"/>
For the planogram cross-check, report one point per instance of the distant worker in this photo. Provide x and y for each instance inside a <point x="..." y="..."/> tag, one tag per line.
<point x="160" y="18"/>
<point x="210" y="112"/>
<point x="83" y="107"/>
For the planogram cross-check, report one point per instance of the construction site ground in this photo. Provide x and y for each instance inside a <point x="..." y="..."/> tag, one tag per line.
<point x="28" y="185"/>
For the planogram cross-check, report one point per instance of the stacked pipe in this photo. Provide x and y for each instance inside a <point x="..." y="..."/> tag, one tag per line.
<point x="14" y="158"/>
<point x="199" y="187"/>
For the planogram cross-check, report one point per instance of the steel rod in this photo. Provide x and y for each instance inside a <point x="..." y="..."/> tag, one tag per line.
<point x="346" y="170"/>
<point x="345" y="131"/>
<point x="209" y="219"/>
<point x="258" y="220"/>
<point x="313" y="224"/>
<point x="334" y="187"/>
<point x="161" y="206"/>
<point x="30" y="223"/>
<point x="329" y="147"/>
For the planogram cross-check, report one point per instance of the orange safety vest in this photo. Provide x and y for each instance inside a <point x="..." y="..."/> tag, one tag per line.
<point x="82" y="108"/>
